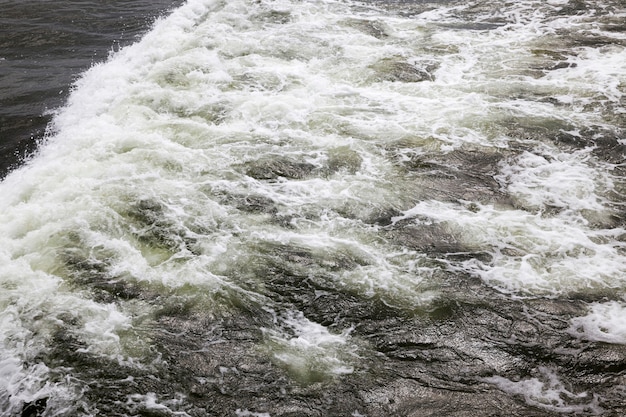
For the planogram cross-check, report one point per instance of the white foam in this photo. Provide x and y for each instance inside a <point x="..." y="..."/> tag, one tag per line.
<point x="548" y="392"/>
<point x="151" y="403"/>
<point x="605" y="322"/>
<point x="248" y="413"/>
<point x="596" y="71"/>
<point x="18" y="386"/>
<point x="563" y="180"/>
<point x="531" y="254"/>
<point x="23" y="384"/>
<point x="309" y="349"/>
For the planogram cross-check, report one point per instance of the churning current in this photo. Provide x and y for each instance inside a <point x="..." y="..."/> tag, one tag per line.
<point x="328" y="208"/>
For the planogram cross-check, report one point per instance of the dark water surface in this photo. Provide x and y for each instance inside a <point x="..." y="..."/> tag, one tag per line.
<point x="44" y="46"/>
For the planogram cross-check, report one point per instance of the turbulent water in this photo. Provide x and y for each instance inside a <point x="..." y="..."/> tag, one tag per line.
<point x="328" y="208"/>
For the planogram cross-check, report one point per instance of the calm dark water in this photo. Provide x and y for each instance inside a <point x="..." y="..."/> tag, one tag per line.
<point x="44" y="46"/>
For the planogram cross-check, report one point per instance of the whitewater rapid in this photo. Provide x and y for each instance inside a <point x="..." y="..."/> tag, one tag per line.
<point x="369" y="149"/>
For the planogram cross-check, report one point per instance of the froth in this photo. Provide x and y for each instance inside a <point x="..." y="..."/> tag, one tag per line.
<point x="548" y="392"/>
<point x="237" y="133"/>
<point x="531" y="254"/>
<point x="606" y="322"/>
<point x="309" y="350"/>
<point x="565" y="181"/>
